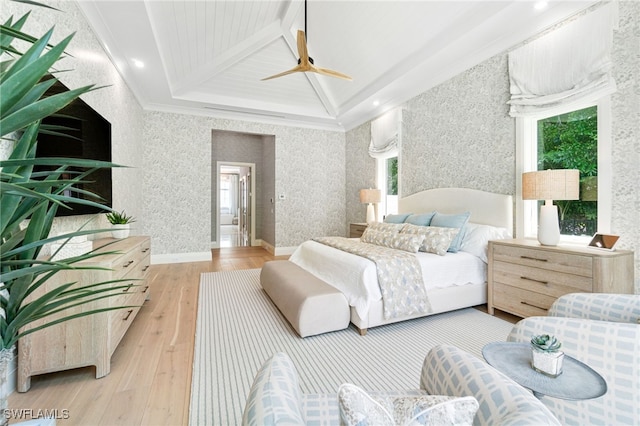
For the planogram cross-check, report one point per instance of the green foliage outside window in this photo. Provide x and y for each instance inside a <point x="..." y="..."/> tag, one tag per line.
<point x="392" y="176"/>
<point x="570" y="141"/>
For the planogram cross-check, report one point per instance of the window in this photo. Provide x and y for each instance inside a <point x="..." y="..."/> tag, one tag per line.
<point x="576" y="139"/>
<point x="388" y="183"/>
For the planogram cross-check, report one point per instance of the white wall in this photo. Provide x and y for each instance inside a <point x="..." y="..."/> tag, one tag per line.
<point x="90" y="65"/>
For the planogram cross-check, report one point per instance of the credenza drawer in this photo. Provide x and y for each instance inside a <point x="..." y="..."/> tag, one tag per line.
<point x="521" y="302"/>
<point x="543" y="259"/>
<point x="540" y="280"/>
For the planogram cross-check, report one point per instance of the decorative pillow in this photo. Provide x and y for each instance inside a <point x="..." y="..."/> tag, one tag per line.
<point x="396" y="218"/>
<point x="386" y="227"/>
<point x="452" y="221"/>
<point x="394" y="240"/>
<point x="435" y="239"/>
<point x="477" y="237"/>
<point x="359" y="408"/>
<point x="423" y="219"/>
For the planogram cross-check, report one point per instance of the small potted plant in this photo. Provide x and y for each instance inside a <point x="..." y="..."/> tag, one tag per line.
<point x="546" y="355"/>
<point x="120" y="224"/>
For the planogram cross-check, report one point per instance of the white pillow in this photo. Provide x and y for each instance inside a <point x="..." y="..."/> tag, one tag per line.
<point x="477" y="236"/>
<point x="359" y="408"/>
<point x="436" y="239"/>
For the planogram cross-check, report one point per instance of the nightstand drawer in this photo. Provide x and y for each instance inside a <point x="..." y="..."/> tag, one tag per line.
<point x="356" y="229"/>
<point x="545" y="259"/>
<point x="521" y="302"/>
<point x="540" y="280"/>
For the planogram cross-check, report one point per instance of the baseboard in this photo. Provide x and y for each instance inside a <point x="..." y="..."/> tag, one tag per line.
<point x="278" y="251"/>
<point x="157" y="259"/>
<point x="284" y="251"/>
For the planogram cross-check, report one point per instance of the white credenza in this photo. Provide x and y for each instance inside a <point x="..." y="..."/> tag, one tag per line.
<point x="89" y="340"/>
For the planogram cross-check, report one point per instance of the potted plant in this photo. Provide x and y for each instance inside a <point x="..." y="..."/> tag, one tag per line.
<point x="546" y="355"/>
<point x="29" y="200"/>
<point x="120" y="223"/>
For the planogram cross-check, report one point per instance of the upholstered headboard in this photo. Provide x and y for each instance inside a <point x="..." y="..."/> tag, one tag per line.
<point x="486" y="207"/>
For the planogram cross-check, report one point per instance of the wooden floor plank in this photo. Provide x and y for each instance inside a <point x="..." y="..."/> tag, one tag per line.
<point x="150" y="379"/>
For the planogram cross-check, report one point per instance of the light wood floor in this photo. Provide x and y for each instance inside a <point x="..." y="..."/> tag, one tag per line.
<point x="150" y="379"/>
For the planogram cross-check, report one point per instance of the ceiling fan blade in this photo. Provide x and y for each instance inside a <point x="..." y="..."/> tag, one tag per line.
<point x="303" y="54"/>
<point x="297" y="68"/>
<point x="331" y="73"/>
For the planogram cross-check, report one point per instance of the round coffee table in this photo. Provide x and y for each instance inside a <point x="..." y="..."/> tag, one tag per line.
<point x="577" y="381"/>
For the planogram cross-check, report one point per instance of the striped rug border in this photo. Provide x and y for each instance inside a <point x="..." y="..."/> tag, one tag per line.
<point x="238" y="328"/>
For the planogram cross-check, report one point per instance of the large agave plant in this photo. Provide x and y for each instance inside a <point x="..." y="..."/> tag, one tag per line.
<point x="28" y="199"/>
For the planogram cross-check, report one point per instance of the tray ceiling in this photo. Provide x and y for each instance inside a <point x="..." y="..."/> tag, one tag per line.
<point x="208" y="57"/>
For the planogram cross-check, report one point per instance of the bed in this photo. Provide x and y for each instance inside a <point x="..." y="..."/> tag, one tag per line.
<point x="452" y="281"/>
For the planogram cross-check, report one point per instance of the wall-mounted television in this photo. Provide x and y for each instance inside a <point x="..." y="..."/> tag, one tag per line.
<point x="91" y="140"/>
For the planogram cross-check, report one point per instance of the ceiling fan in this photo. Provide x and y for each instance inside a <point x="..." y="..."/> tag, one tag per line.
<point x="305" y="63"/>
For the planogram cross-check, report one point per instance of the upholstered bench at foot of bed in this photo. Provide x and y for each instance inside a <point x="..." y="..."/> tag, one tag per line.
<point x="309" y="304"/>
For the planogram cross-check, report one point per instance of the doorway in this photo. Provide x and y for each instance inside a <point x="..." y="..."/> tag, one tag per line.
<point x="236" y="201"/>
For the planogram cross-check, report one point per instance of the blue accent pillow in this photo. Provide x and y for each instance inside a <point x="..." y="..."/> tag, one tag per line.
<point x="423" y="219"/>
<point x="452" y="221"/>
<point x="396" y="218"/>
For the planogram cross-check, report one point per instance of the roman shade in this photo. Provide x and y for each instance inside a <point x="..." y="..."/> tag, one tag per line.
<point x="567" y="65"/>
<point x="385" y="134"/>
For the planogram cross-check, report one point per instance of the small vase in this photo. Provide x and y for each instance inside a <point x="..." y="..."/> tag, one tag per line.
<point x="549" y="363"/>
<point x="120" y="231"/>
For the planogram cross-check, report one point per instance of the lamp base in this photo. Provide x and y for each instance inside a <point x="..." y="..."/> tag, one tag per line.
<point x="371" y="214"/>
<point x="548" y="224"/>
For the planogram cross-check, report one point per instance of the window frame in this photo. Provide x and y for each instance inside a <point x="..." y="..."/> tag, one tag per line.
<point x="381" y="180"/>
<point x="526" y="160"/>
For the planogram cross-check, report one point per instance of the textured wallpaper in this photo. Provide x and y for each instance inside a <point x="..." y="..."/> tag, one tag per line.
<point x="360" y="172"/>
<point x="626" y="132"/>
<point x="459" y="134"/>
<point x="90" y="65"/>
<point x="456" y="134"/>
<point x="309" y="171"/>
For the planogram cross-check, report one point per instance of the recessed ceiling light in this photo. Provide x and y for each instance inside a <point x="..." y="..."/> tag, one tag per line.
<point x="539" y="5"/>
<point x="138" y="63"/>
<point x="376" y="103"/>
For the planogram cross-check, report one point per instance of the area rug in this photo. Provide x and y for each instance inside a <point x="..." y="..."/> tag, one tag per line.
<point x="238" y="328"/>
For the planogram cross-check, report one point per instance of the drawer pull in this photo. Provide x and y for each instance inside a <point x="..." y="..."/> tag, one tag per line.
<point x="129" y="312"/>
<point x="126" y="265"/>
<point x="533" y="258"/>
<point x="535" y="281"/>
<point x="145" y="268"/>
<point x="128" y="288"/>
<point x="535" y="306"/>
<point x="146" y="288"/>
<point x="145" y="250"/>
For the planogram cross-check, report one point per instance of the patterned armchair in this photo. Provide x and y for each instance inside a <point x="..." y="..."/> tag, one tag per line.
<point x="275" y="396"/>
<point x="603" y="331"/>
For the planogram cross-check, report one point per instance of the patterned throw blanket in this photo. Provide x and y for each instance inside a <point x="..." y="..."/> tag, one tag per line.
<point x="399" y="276"/>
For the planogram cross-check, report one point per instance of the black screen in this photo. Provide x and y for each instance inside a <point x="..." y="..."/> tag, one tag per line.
<point x="91" y="140"/>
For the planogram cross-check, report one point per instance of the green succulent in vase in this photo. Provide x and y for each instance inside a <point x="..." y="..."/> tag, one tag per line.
<point x="546" y="343"/>
<point x="119" y="218"/>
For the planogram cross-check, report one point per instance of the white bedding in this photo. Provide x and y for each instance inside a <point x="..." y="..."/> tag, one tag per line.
<point x="356" y="277"/>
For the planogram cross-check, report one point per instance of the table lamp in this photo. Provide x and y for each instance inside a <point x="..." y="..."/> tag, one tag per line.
<point x="370" y="196"/>
<point x="549" y="185"/>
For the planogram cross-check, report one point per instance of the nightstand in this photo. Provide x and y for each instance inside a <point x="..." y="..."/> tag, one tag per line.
<point x="356" y="229"/>
<point x="525" y="278"/>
